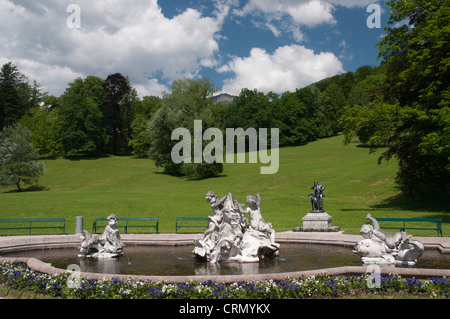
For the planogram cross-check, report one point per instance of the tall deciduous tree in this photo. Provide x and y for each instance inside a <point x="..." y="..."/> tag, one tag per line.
<point x="82" y="132"/>
<point x="45" y="126"/>
<point x="18" y="157"/>
<point x="417" y="57"/>
<point x="143" y="111"/>
<point x="190" y="100"/>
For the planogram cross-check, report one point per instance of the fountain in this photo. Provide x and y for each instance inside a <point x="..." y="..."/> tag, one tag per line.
<point x="231" y="249"/>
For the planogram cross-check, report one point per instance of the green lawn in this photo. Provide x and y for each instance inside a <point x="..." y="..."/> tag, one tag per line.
<point x="128" y="186"/>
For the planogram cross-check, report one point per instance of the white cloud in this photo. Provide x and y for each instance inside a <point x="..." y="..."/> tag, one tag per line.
<point x="289" y="16"/>
<point x="309" y="13"/>
<point x="312" y="13"/>
<point x="288" y="68"/>
<point x="133" y="38"/>
<point x="151" y="87"/>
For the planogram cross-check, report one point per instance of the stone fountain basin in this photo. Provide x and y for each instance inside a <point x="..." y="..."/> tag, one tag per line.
<point x="16" y="244"/>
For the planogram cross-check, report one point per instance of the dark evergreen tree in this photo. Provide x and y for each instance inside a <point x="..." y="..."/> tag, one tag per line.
<point x="114" y="112"/>
<point x="14" y="93"/>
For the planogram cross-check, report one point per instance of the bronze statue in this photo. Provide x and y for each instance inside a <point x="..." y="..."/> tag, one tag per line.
<point x="317" y="197"/>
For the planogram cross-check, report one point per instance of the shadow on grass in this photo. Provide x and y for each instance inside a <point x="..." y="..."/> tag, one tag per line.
<point x="28" y="189"/>
<point x="190" y="178"/>
<point x="403" y="202"/>
<point x="75" y="158"/>
<point x="439" y="206"/>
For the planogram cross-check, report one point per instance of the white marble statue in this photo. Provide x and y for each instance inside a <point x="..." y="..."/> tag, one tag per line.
<point x="230" y="237"/>
<point x="106" y="245"/>
<point x="380" y="247"/>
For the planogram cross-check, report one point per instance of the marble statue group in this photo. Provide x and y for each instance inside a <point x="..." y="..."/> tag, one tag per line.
<point x="231" y="237"/>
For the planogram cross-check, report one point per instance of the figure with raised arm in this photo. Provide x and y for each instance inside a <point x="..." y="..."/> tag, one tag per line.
<point x="256" y="220"/>
<point x="392" y="241"/>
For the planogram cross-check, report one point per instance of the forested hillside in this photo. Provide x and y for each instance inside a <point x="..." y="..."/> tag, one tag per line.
<point x="402" y="104"/>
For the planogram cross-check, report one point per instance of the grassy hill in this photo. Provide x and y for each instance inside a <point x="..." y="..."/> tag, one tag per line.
<point x="128" y="186"/>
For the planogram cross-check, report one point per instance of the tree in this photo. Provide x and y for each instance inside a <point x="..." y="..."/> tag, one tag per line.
<point x="368" y="114"/>
<point x="333" y="101"/>
<point x="190" y="100"/>
<point x="143" y="112"/>
<point x="18" y="157"/>
<point x="45" y="126"/>
<point x="251" y="109"/>
<point x="82" y="132"/>
<point x="114" y="108"/>
<point x="294" y="121"/>
<point x="417" y="62"/>
<point x="404" y="104"/>
<point x="14" y="93"/>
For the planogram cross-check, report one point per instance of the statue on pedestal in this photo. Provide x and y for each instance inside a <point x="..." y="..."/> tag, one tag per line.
<point x="317" y="197"/>
<point x="230" y="237"/>
<point x="317" y="219"/>
<point x="106" y="245"/>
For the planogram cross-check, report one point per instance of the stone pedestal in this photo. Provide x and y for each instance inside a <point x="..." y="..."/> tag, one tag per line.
<point x="316" y="220"/>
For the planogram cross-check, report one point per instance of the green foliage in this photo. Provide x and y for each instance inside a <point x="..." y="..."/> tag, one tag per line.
<point x="46" y="130"/>
<point x="404" y="105"/>
<point x="190" y="100"/>
<point x="251" y="109"/>
<point x="295" y="119"/>
<point x="143" y="112"/>
<point x="416" y="51"/>
<point x="373" y="124"/>
<point x="302" y="116"/>
<point x="82" y="131"/>
<point x="418" y="60"/>
<point x="115" y="106"/>
<point x="16" y="95"/>
<point x="18" y="158"/>
<point x="140" y="140"/>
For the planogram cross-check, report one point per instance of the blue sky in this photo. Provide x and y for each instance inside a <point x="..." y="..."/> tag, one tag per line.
<point x="268" y="45"/>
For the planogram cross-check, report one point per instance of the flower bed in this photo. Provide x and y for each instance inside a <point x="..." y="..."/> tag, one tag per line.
<point x="18" y="275"/>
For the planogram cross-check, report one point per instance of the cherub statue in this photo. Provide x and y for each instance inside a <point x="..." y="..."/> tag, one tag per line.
<point x="256" y="220"/>
<point x="217" y="208"/>
<point x="107" y="244"/>
<point x="113" y="243"/>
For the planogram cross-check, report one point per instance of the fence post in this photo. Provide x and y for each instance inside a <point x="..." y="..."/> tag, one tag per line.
<point x="78" y="224"/>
